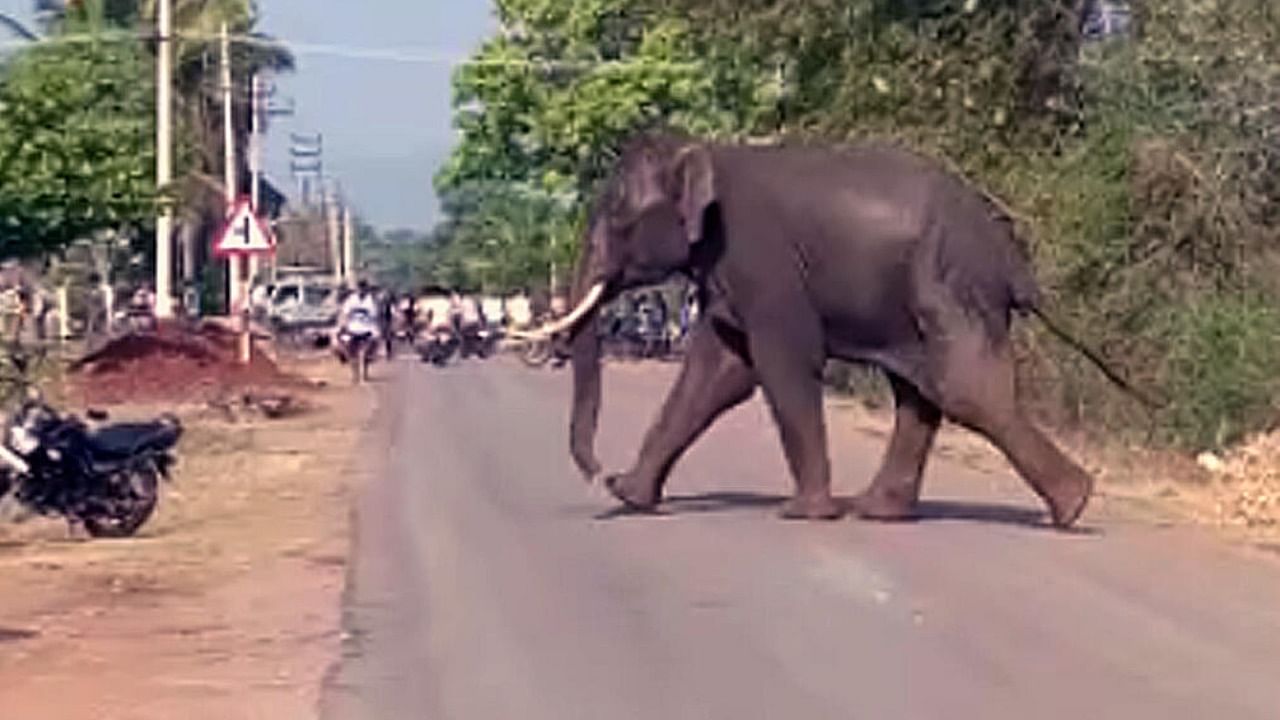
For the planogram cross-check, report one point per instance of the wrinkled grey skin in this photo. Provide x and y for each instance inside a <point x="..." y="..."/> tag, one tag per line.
<point x="808" y="253"/>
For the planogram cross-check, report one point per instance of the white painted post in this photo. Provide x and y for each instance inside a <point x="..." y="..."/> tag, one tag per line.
<point x="164" y="158"/>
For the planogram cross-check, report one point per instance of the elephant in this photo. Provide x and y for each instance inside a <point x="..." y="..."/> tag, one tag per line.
<point x="801" y="253"/>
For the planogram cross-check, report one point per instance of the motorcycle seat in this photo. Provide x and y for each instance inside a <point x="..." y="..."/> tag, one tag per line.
<point x="125" y="439"/>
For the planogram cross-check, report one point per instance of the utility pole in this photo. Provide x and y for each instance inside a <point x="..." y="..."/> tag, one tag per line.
<point x="335" y="241"/>
<point x="234" y="293"/>
<point x="255" y="160"/>
<point x="307" y="164"/>
<point x="164" y="158"/>
<point x="348" y="245"/>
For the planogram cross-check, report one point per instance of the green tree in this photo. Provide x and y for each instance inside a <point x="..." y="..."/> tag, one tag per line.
<point x="76" y="143"/>
<point x="1143" y="170"/>
<point x="543" y="107"/>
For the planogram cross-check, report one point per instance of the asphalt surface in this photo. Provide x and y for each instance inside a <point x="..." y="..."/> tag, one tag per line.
<point x="490" y="582"/>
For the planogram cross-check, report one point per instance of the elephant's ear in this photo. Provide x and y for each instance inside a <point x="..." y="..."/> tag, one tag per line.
<point x="695" y="183"/>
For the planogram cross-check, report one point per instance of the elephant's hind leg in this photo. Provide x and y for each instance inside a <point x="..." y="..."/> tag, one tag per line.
<point x="894" y="492"/>
<point x="977" y="384"/>
<point x="715" y="378"/>
<point x="789" y="360"/>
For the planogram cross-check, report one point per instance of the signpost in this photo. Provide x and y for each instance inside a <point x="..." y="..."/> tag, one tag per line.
<point x="244" y="236"/>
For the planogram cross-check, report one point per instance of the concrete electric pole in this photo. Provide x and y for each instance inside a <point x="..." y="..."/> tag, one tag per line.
<point x="164" y="158"/>
<point x="348" y="245"/>
<point x="235" y="295"/>
<point x="255" y="160"/>
<point x="334" y="232"/>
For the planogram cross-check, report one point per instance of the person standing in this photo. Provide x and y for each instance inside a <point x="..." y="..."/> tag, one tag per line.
<point x="40" y="305"/>
<point x="470" y="321"/>
<point x="386" y="317"/>
<point x="98" y="322"/>
<point x="11" y="310"/>
<point x="519" y="311"/>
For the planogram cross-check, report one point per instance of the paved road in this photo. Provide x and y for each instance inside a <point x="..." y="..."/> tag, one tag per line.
<point x="489" y="583"/>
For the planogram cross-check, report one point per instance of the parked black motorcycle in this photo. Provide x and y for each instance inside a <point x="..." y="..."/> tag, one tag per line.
<point x="107" y="479"/>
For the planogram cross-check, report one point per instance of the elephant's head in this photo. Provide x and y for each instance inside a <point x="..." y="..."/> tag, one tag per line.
<point x="643" y="229"/>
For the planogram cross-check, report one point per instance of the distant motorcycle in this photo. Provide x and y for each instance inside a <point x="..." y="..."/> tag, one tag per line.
<point x="106" y="479"/>
<point x="438" y="345"/>
<point x="357" y="343"/>
<point x="134" y="318"/>
<point x="479" y="341"/>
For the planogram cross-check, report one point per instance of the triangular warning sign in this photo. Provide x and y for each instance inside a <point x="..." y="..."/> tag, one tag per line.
<point x="245" y="234"/>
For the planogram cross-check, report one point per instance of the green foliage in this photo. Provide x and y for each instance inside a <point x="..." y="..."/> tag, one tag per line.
<point x="1221" y="369"/>
<point x="543" y="107"/>
<point x="1143" y="170"/>
<point x="77" y="130"/>
<point x="1156" y="224"/>
<point x="76" y="144"/>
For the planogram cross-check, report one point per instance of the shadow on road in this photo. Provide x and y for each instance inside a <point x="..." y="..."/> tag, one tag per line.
<point x="16" y="634"/>
<point x="928" y="510"/>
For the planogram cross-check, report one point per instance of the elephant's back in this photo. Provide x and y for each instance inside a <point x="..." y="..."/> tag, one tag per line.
<point x="854" y="219"/>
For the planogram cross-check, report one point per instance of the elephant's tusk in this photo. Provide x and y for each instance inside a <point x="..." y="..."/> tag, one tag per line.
<point x="568" y="322"/>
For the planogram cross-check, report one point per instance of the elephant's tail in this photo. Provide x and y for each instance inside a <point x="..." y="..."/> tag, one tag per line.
<point x="1111" y="374"/>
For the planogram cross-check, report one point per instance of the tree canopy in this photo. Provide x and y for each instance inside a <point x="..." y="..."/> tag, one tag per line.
<point x="77" y="148"/>
<point x="1142" y="167"/>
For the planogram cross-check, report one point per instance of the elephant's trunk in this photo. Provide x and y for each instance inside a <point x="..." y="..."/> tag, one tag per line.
<point x="586" y="398"/>
<point x="586" y="352"/>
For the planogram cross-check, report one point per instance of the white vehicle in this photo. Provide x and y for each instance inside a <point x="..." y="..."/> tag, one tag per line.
<point x="303" y="305"/>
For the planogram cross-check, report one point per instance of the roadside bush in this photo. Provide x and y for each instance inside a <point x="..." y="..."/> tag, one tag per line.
<point x="1221" y="370"/>
<point x="864" y="382"/>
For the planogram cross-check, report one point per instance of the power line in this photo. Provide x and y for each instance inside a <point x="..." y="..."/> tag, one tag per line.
<point x="420" y="56"/>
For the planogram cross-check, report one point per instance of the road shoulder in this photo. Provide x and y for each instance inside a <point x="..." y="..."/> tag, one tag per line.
<point x="228" y="603"/>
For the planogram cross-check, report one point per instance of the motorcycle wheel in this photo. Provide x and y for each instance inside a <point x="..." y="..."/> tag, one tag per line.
<point x="536" y="353"/>
<point x="442" y="352"/>
<point x="129" y="514"/>
<point x="360" y="363"/>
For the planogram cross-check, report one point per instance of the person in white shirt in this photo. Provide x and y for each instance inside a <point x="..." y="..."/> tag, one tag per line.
<point x="359" y="312"/>
<point x="434" y="312"/>
<point x="519" y="311"/>
<point x="469" y="315"/>
<point x="494" y="313"/>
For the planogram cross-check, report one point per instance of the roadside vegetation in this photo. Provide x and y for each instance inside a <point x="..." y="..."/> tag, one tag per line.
<point x="77" y="137"/>
<point x="1141" y="166"/>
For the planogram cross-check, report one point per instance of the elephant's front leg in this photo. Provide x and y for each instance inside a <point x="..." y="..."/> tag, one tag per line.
<point x="715" y="377"/>
<point x="894" y="492"/>
<point x="789" y="359"/>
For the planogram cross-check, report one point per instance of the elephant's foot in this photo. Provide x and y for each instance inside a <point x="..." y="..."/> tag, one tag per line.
<point x="1068" y="498"/>
<point x="884" y="503"/>
<point x="624" y="487"/>
<point x="812" y="507"/>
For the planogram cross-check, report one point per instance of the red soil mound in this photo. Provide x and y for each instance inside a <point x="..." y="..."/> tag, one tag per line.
<point x="174" y="364"/>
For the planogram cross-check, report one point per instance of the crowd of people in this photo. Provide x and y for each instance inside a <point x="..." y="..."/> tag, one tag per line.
<point x="406" y="316"/>
<point x="642" y="317"/>
<point x="29" y="311"/>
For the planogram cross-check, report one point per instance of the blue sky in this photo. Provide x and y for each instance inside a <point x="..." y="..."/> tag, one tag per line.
<point x="386" y="124"/>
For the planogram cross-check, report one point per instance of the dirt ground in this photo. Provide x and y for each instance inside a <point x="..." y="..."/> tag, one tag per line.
<point x="227" y="604"/>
